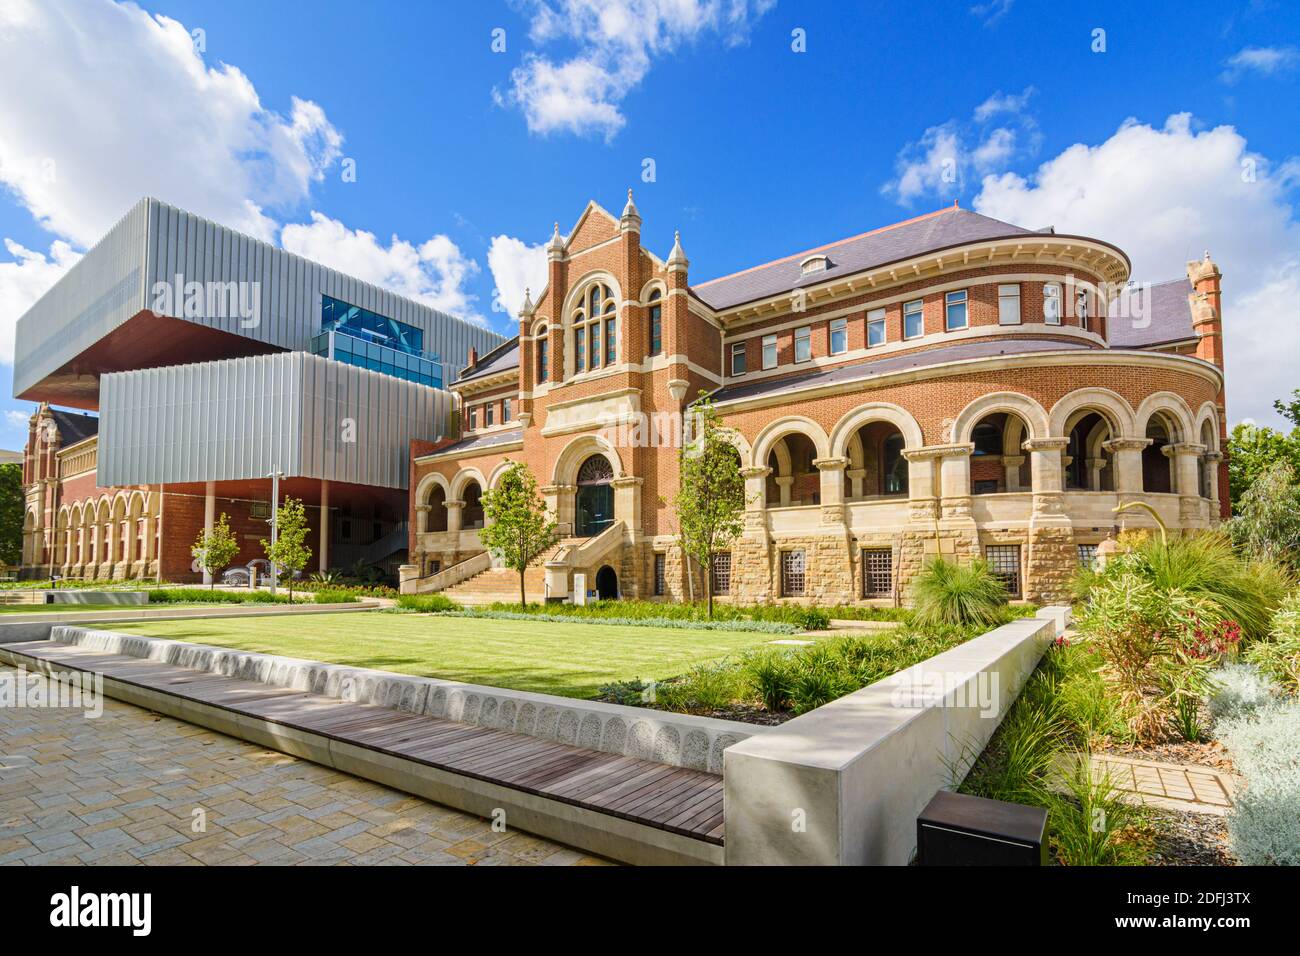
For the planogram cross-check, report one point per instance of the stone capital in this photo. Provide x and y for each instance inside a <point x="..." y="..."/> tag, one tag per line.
<point x="423" y="509"/>
<point x="755" y="472"/>
<point x="1183" y="448"/>
<point x="830" y="464"/>
<point x="1214" y="456"/>
<point x="1045" y="444"/>
<point x="1013" y="461"/>
<point x="784" y="481"/>
<point x="1125" y="444"/>
<point x="927" y="452"/>
<point x="453" y="504"/>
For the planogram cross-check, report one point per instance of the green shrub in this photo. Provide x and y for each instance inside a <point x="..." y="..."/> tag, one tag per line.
<point x="334" y="582"/>
<point x="335" y="596"/>
<point x="768" y="677"/>
<point x="1264" y="823"/>
<point x="946" y="593"/>
<point x="796" y="616"/>
<point x="200" y="595"/>
<point x="427" y="603"/>
<point x="704" y="689"/>
<point x="1279" y="655"/>
<point x="867" y="612"/>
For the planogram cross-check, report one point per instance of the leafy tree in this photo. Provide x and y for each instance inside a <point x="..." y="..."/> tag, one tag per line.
<point x="1290" y="410"/>
<point x="1267" y="522"/>
<point x="711" y="501"/>
<point x="516" y="523"/>
<point x="1253" y="450"/>
<point x="12" y="504"/>
<point x="215" y="548"/>
<point x="290" y="550"/>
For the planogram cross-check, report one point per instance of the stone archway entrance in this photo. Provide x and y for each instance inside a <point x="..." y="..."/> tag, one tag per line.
<point x="595" y="498"/>
<point x="606" y="584"/>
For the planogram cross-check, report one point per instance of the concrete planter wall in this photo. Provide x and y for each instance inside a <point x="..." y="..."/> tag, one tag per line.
<point x="843" y="784"/>
<point x="679" y="740"/>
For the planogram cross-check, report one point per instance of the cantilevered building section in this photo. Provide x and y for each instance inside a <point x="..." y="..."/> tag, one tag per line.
<point x="216" y="360"/>
<point x="165" y="287"/>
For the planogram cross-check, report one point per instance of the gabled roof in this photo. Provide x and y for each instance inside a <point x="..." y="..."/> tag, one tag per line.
<point x="74" y="426"/>
<point x="479" y="442"/>
<point x="942" y="229"/>
<point x="1148" y="317"/>
<point x="503" y="358"/>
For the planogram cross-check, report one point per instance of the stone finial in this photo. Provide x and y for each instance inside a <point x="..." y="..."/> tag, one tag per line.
<point x="1199" y="269"/>
<point x="631" y="221"/>
<point x="527" y="309"/>
<point x="555" y="248"/>
<point x="677" y="258"/>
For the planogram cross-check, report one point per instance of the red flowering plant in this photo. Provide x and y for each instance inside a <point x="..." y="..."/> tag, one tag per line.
<point x="1157" y="646"/>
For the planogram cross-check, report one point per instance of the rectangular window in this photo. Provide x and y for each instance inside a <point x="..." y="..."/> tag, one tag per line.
<point x="803" y="344"/>
<point x="610" y="342"/>
<point x="1009" y="304"/>
<point x="792" y="574"/>
<point x="913" y="319"/>
<point x="1052" y="304"/>
<point x="507" y="411"/>
<point x="487" y="415"/>
<point x="722" y="573"/>
<point x="839" y="336"/>
<point x="1087" y="556"/>
<point x="543" y="361"/>
<point x="954" y="304"/>
<point x="877" y="572"/>
<point x="580" y="348"/>
<point x="656" y="329"/>
<point x="769" y="351"/>
<point x="595" y="345"/>
<point x="1004" y="561"/>
<point x="473" y="419"/>
<point x="738" y="358"/>
<point x="660" y="583"/>
<point x="875" y="327"/>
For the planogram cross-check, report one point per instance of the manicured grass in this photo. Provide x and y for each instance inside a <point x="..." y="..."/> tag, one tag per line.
<point x="570" y="659"/>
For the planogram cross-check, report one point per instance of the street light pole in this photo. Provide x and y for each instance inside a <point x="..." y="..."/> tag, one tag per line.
<point x="275" y="477"/>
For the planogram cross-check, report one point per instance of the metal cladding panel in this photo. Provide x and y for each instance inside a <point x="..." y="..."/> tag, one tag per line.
<point x="244" y="418"/>
<point x="97" y="295"/>
<point x="140" y="258"/>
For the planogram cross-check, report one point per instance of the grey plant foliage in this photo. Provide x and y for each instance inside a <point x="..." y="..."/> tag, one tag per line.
<point x="1264" y="825"/>
<point x="1239" y="690"/>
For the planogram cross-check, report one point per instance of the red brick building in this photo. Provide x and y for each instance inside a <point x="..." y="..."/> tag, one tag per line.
<point x="951" y="385"/>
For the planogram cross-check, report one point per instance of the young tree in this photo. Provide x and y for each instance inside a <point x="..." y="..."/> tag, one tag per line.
<point x="215" y="548"/>
<point x="711" y="502"/>
<point x="516" y="523"/>
<point x="11" y="514"/>
<point x="1267" y="523"/>
<point x="1254" y="449"/>
<point x="290" y="551"/>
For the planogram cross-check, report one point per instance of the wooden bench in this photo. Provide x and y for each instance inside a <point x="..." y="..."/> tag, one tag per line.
<point x="678" y="802"/>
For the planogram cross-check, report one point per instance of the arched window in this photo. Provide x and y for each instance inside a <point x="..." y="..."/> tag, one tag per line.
<point x="987" y="437"/>
<point x="595" y="497"/>
<point x="595" y="332"/>
<point x="543" y="355"/>
<point x="656" y="324"/>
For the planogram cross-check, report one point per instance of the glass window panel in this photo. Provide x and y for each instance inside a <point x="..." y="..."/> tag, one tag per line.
<point x="955" y="310"/>
<point x="913" y="319"/>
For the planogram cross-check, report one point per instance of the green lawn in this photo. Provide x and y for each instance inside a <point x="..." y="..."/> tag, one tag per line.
<point x="69" y="608"/>
<point x="572" y="660"/>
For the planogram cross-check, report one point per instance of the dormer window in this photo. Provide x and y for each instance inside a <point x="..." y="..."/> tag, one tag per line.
<point x="814" y="264"/>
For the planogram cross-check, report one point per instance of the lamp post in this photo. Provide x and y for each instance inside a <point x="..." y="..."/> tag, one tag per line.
<point x="275" y="477"/>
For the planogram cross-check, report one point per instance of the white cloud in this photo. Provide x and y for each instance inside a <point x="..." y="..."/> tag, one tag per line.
<point x="17" y="419"/>
<point x="1165" y="195"/>
<point x="617" y="42"/>
<point x="435" y="272"/>
<point x="516" y="266"/>
<point x="106" y="103"/>
<point x="945" y="156"/>
<point x="1267" y="60"/>
<point x="23" y="280"/>
<point x="992" y="11"/>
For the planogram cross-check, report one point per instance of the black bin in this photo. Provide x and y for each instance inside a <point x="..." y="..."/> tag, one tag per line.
<point x="960" y="830"/>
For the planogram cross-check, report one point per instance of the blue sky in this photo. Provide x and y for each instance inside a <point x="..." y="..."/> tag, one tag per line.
<point x="467" y="155"/>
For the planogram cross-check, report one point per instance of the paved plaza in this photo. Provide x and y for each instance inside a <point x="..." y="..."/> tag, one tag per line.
<point x="131" y="787"/>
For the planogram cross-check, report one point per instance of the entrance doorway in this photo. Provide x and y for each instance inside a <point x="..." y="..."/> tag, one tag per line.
<point x="606" y="584"/>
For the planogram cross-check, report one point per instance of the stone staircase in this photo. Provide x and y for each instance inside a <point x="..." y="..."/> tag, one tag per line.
<point x="499" y="584"/>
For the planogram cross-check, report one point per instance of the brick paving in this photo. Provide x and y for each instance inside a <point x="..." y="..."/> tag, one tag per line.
<point x="1185" y="787"/>
<point x="124" y="789"/>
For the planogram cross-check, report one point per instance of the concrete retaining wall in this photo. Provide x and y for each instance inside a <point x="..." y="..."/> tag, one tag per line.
<point x="98" y="597"/>
<point x="679" y="740"/>
<point x="843" y="784"/>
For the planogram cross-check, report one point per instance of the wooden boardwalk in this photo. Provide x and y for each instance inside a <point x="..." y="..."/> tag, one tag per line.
<point x="676" y="799"/>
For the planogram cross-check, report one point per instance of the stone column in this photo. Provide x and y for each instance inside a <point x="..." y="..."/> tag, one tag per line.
<point x="627" y="502"/>
<point x="1184" y="458"/>
<point x="755" y="496"/>
<point x="1011" y="469"/>
<point x="785" y="483"/>
<point x="453" y="516"/>
<point x="1212" y="460"/>
<point x="561" y="501"/>
<point x="751" y="562"/>
<point x="1126" y="459"/>
<point x="856" y="476"/>
<point x="1047" y="464"/>
<point x="954" y="481"/>
<point x="1051" y="559"/>
<point x="1095" y="466"/>
<point x="832" y="480"/>
<point x="422" y="519"/>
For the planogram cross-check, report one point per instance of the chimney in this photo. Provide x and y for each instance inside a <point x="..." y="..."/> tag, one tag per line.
<point x="473" y="357"/>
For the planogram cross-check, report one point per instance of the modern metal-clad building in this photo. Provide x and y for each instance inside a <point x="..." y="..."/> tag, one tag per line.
<point x="214" y="360"/>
